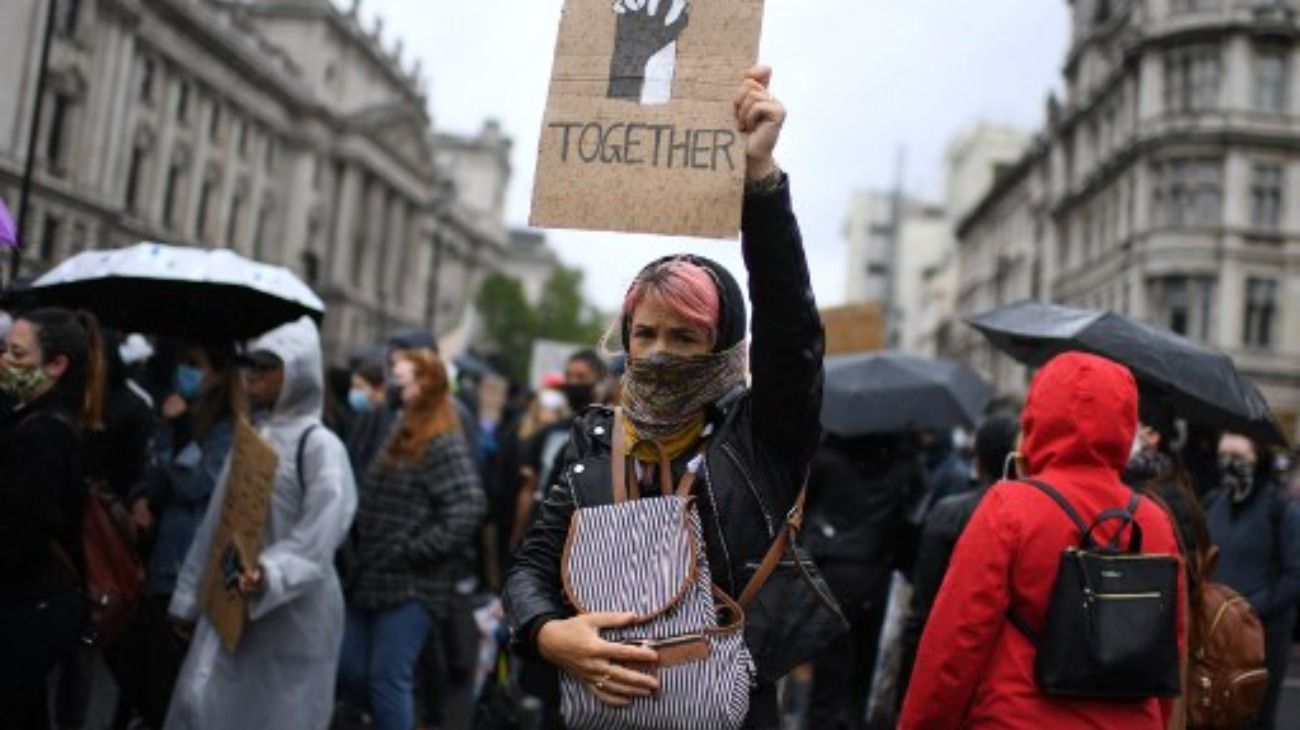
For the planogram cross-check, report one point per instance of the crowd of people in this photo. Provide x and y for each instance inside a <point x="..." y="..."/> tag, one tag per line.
<point x="386" y="525"/>
<point x="406" y="496"/>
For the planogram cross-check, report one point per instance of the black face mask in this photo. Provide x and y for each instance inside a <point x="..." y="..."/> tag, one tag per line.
<point x="393" y="395"/>
<point x="579" y="395"/>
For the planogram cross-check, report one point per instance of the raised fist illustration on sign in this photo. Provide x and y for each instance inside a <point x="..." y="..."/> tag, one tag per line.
<point x="645" y="49"/>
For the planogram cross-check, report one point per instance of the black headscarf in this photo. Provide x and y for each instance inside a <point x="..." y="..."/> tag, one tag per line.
<point x="731" y="300"/>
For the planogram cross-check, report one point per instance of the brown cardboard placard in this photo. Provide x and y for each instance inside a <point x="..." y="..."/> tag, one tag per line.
<point x="241" y="527"/>
<point x="639" y="133"/>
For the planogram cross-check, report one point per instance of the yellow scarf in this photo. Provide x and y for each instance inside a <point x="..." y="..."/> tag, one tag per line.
<point x="643" y="449"/>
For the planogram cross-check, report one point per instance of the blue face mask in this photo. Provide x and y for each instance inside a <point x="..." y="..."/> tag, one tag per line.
<point x="359" y="401"/>
<point x="189" y="381"/>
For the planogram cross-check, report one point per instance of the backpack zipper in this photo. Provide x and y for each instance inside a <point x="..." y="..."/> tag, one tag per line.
<point x="1246" y="676"/>
<point x="1218" y="615"/>
<point x="1125" y="596"/>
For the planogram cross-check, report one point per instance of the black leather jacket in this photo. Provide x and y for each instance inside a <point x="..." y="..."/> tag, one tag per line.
<point x="756" y="459"/>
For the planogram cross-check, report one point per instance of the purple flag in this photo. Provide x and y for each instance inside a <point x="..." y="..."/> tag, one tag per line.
<point x="8" y="234"/>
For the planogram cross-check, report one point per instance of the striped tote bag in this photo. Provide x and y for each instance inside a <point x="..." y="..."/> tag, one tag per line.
<point x="646" y="556"/>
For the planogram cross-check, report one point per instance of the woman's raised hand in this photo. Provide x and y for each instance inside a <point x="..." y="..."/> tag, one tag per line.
<point x="761" y="116"/>
<point x="574" y="645"/>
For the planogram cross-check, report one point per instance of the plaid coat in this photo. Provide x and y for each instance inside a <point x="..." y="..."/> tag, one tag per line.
<point x="413" y="522"/>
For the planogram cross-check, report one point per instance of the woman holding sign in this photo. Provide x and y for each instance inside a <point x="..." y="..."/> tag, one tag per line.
<point x="683" y="327"/>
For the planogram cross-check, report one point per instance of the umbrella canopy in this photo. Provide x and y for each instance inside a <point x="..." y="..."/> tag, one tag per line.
<point x="1189" y="380"/>
<point x="890" y="392"/>
<point x="179" y="290"/>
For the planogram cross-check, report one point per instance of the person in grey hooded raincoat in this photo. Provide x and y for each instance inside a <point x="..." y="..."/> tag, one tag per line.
<point x="283" y="671"/>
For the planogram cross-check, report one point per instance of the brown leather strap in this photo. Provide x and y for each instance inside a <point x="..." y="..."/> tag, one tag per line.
<point x="688" y="480"/>
<point x="618" y="459"/>
<point x="793" y="523"/>
<point x="665" y="473"/>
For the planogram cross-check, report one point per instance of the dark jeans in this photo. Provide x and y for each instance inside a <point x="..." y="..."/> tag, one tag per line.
<point x="145" y="662"/>
<point x="842" y="671"/>
<point x="1277" y="652"/>
<point x="72" y="687"/>
<point x="40" y="623"/>
<point x="377" y="666"/>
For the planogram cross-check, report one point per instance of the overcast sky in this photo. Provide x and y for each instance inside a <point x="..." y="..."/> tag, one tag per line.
<point x="861" y="78"/>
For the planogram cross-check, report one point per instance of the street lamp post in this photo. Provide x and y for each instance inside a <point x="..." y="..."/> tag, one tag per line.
<point x="29" y="168"/>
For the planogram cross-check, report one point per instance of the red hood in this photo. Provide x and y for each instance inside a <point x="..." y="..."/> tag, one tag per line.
<point x="1081" y="412"/>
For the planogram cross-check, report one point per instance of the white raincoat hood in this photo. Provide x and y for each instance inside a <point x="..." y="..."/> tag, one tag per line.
<point x="297" y="344"/>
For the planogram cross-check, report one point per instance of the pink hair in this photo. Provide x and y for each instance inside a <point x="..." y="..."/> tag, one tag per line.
<point x="688" y="290"/>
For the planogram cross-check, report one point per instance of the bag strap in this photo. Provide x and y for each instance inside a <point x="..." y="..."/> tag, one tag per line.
<point x="301" y="456"/>
<point x="1128" y="518"/>
<point x="618" y="462"/>
<point x="793" y="523"/>
<point x="618" y="458"/>
<point x="1064" y="504"/>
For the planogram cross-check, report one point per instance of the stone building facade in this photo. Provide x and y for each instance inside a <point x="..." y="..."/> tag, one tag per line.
<point x="901" y="249"/>
<point x="1166" y="186"/>
<point x="278" y="128"/>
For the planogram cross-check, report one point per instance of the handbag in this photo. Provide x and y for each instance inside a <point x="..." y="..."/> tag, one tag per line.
<point x="1111" y="629"/>
<point x="790" y="612"/>
<point x="646" y="557"/>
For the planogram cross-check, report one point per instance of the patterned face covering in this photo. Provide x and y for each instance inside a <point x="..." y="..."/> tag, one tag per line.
<point x="1237" y="476"/>
<point x="22" y="383"/>
<point x="664" y="395"/>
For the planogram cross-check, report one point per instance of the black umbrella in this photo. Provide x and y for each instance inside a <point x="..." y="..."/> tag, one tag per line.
<point x="890" y="392"/>
<point x="1189" y="380"/>
<point x="178" y="290"/>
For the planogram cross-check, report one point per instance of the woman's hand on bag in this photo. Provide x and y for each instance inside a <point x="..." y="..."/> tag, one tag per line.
<point x="574" y="645"/>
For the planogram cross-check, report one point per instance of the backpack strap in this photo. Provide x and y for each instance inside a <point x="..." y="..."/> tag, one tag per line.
<point x="1128" y="518"/>
<point x="1084" y="530"/>
<point x="301" y="457"/>
<point x="618" y="457"/>
<point x="793" y="523"/>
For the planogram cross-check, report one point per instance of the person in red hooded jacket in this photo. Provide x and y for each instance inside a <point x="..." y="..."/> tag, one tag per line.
<point x="974" y="669"/>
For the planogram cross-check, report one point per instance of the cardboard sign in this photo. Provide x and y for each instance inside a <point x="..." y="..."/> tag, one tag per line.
<point x="237" y="539"/>
<point x="639" y="133"/>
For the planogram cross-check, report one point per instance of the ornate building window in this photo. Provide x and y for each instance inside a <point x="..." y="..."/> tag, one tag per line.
<point x="146" y="80"/>
<point x="208" y="198"/>
<point x="172" y="188"/>
<point x="1261" y="311"/>
<point x="236" y="218"/>
<point x="1185" y="304"/>
<point x="183" y="103"/>
<point x="1270" y="79"/>
<point x="265" y="220"/>
<point x="1192" y="78"/>
<point x="69" y="12"/>
<point x="214" y="122"/>
<point x="49" y="237"/>
<point x="1266" y="197"/>
<point x="56" y="142"/>
<point x="137" y="169"/>
<point x="1187" y="192"/>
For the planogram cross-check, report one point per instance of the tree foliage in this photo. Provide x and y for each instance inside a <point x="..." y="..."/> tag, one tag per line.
<point x="511" y="325"/>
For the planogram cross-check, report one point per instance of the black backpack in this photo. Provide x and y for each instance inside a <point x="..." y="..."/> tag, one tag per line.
<point x="1112" y="625"/>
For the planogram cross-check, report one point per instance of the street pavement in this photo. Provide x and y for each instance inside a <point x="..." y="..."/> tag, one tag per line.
<point x="1288" y="714"/>
<point x="1288" y="717"/>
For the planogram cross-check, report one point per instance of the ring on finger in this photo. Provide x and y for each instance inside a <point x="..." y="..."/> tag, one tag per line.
<point x="600" y="683"/>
